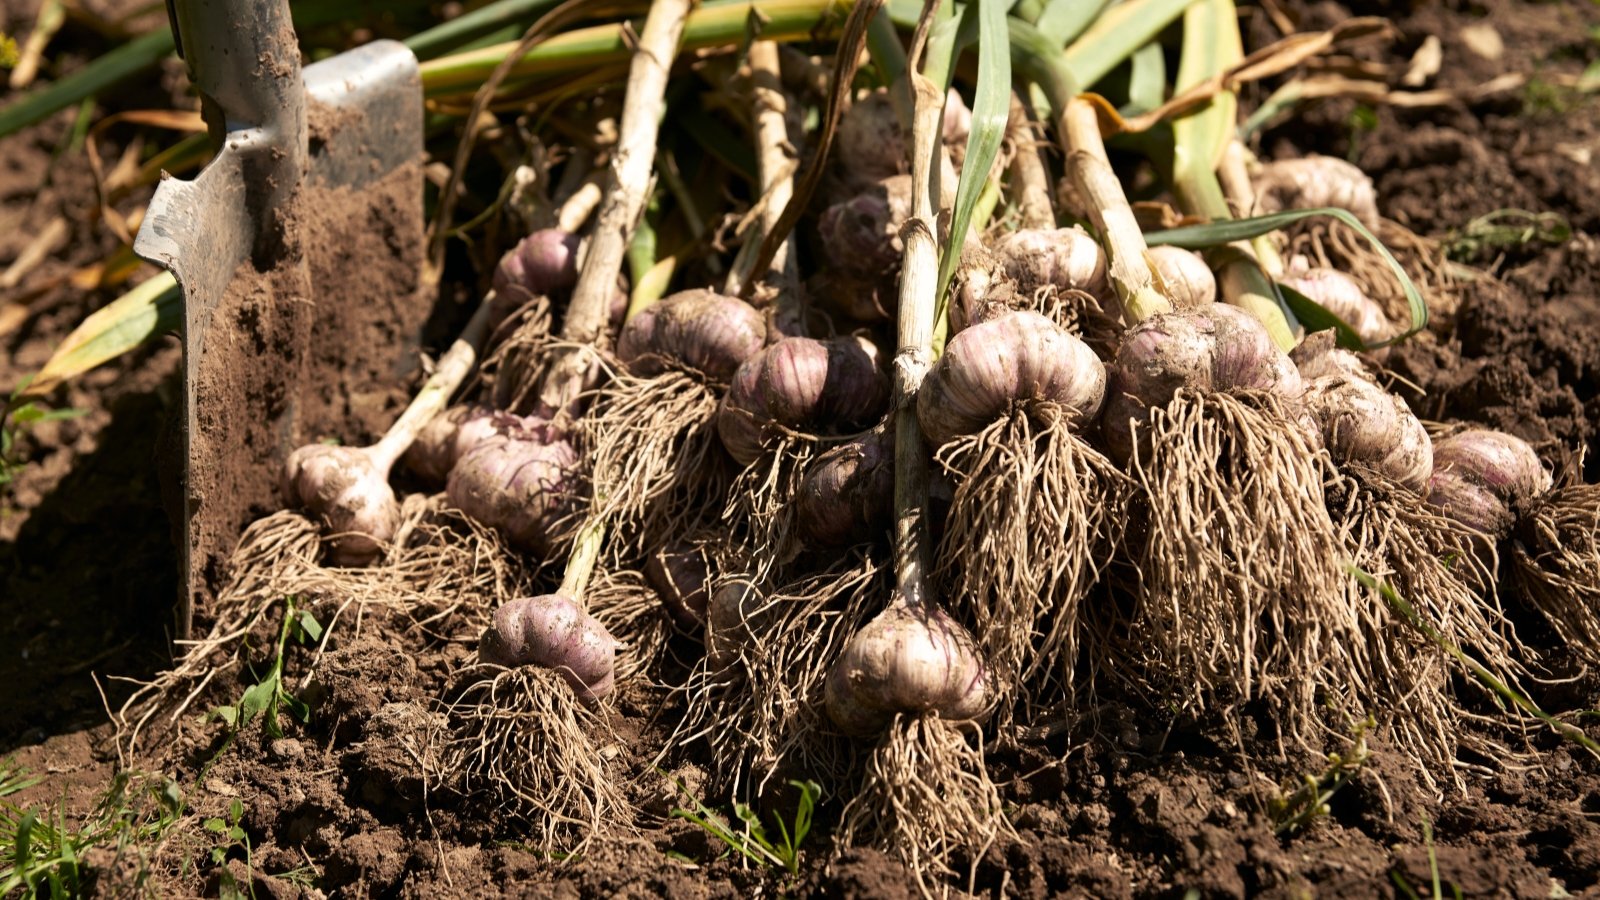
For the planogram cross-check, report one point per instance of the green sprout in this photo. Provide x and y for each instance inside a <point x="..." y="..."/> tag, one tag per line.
<point x="753" y="842"/>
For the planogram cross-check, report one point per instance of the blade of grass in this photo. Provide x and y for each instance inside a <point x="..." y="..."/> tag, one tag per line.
<point x="990" y="109"/>
<point x="1116" y="34"/>
<point x="468" y="27"/>
<point x="1216" y="234"/>
<point x="150" y="310"/>
<point x="1147" y="77"/>
<point x="1487" y="678"/>
<point x="108" y="70"/>
<point x="1064" y="20"/>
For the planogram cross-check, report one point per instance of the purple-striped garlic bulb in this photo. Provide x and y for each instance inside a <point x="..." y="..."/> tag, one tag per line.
<point x="521" y="484"/>
<point x="553" y="632"/>
<point x="1365" y="425"/>
<point x="348" y="489"/>
<point x="1339" y="294"/>
<point x="1480" y="477"/>
<point x="1067" y="259"/>
<point x="847" y="495"/>
<point x="908" y="659"/>
<point x="454" y="432"/>
<point x="997" y="366"/>
<point x="679" y="574"/>
<point x="1215" y="348"/>
<point x="861" y="235"/>
<point x="698" y="330"/>
<point x="543" y="263"/>
<point x="803" y="385"/>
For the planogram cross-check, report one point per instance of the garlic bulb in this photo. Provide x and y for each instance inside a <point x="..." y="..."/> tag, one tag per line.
<point x="861" y="235"/>
<point x="1319" y="355"/>
<point x="802" y="384"/>
<point x="541" y="264"/>
<point x="1340" y="295"/>
<point x="456" y="431"/>
<point x="906" y="660"/>
<point x="521" y="484"/>
<point x="1364" y="424"/>
<point x="679" y="573"/>
<point x="1215" y="348"/>
<point x="870" y="143"/>
<point x="348" y="490"/>
<point x="1067" y="259"/>
<point x="738" y="609"/>
<point x="847" y="496"/>
<point x="1312" y="181"/>
<point x="1480" y="476"/>
<point x="554" y="632"/>
<point x="699" y="330"/>
<point x="1189" y="282"/>
<point x="1015" y="358"/>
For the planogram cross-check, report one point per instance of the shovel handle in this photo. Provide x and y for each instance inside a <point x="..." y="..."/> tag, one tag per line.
<point x="245" y="61"/>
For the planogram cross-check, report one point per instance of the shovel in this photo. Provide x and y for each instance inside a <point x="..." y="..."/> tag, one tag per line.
<point x="298" y="251"/>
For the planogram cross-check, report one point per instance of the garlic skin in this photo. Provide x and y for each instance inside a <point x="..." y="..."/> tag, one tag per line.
<point x="1312" y="181"/>
<point x="847" y="495"/>
<point x="1340" y="295"/>
<point x="1318" y="355"/>
<point x="344" y="488"/>
<point x="699" y="330"/>
<point x="1068" y="259"/>
<point x="554" y="632"/>
<point x="1216" y="348"/>
<point x="1481" y="476"/>
<point x="802" y="384"/>
<point x="861" y="235"/>
<point x="520" y="484"/>
<point x="543" y="263"/>
<point x="454" y="432"/>
<point x="989" y="368"/>
<point x="679" y="573"/>
<point x="1364" y="424"/>
<point x="909" y="660"/>
<point x="1189" y="282"/>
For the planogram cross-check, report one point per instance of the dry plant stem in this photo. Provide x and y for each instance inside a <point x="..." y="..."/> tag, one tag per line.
<point x="453" y="368"/>
<point x="576" y="209"/>
<point x="1030" y="181"/>
<point x="580" y="563"/>
<point x="919" y="285"/>
<point x="627" y="188"/>
<point x="1234" y="175"/>
<point x="777" y="162"/>
<point x="1079" y="127"/>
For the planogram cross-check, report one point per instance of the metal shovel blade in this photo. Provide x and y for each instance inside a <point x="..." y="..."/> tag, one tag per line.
<point x="298" y="251"/>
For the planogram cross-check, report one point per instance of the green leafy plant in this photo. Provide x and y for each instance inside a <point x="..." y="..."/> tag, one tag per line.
<point x="8" y="52"/>
<point x="230" y="835"/>
<point x="267" y="696"/>
<point x="753" y="842"/>
<point x="1404" y="886"/>
<point x="18" y="417"/>
<point x="44" y="854"/>
<point x="1309" y="801"/>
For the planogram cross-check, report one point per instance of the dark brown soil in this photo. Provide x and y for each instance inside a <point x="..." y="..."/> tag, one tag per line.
<point x="1139" y="804"/>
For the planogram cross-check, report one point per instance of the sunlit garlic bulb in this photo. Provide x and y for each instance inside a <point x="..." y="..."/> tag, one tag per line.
<point x="1015" y="358"/>
<point x="1189" y="282"/>
<point x="520" y="484"/>
<point x="553" y="632"/>
<point x="1312" y="181"/>
<point x="698" y="330"/>
<point x="1215" y="348"/>
<point x="1340" y="295"/>
<point x="909" y="660"/>
<point x="1481" y="476"/>
<point x="1363" y="424"/>
<point x="1063" y="258"/>
<point x="802" y="385"/>
<point x="541" y="264"/>
<point x="861" y="235"/>
<point x="847" y="496"/>
<point x="349" y="491"/>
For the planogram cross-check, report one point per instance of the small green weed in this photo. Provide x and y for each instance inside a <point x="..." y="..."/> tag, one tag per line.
<point x="267" y="694"/>
<point x="17" y="418"/>
<point x="1505" y="228"/>
<point x="1309" y="801"/>
<point x="43" y="854"/>
<point x="1404" y="886"/>
<point x="753" y="842"/>
<point x="230" y="835"/>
